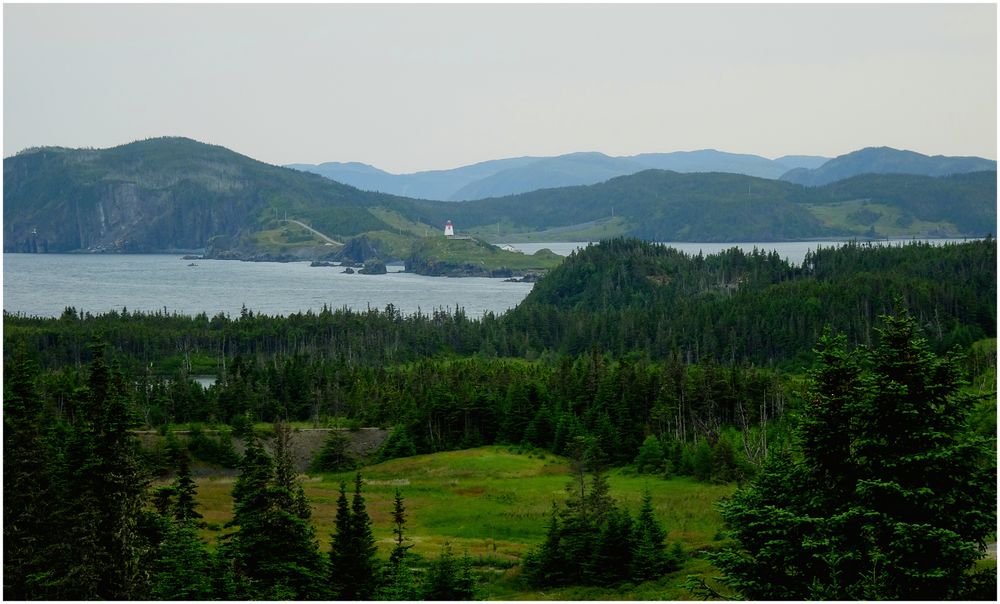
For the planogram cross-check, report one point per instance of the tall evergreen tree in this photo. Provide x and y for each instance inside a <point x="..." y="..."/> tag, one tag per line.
<point x="450" y="579"/>
<point x="274" y="553"/>
<point x="611" y="562"/>
<point x="650" y="559"/>
<point x="353" y="565"/>
<point x="184" y="488"/>
<point x="183" y="567"/>
<point x="904" y="511"/>
<point x="26" y="481"/>
<point x="651" y="459"/>
<point x="98" y="494"/>
<point x="398" y="582"/>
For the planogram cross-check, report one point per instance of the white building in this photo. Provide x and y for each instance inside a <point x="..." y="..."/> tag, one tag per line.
<point x="449" y="229"/>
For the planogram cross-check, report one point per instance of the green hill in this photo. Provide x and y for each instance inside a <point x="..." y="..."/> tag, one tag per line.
<point x="668" y="206"/>
<point x="466" y="257"/>
<point x="626" y="294"/>
<point x="175" y="193"/>
<point x="166" y="193"/>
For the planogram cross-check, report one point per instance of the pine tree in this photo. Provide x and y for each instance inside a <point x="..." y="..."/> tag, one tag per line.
<point x="649" y="559"/>
<point x="274" y="553"/>
<point x="450" y="579"/>
<point x="97" y="549"/>
<point x="892" y="496"/>
<point x="611" y="561"/>
<point x="183" y="567"/>
<point x="724" y="466"/>
<point x="334" y="456"/>
<point x="398" y="582"/>
<point x="353" y="565"/>
<point x="26" y="482"/>
<point x="544" y="566"/>
<point x="399" y="551"/>
<point x="184" y="488"/>
<point x="701" y="464"/>
<point x="651" y="459"/>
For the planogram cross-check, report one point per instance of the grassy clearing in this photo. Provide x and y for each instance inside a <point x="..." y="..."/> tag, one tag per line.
<point x="289" y="237"/>
<point x="492" y="502"/>
<point x="401" y="223"/>
<point x="858" y="216"/>
<point x="461" y="252"/>
<point x="587" y="231"/>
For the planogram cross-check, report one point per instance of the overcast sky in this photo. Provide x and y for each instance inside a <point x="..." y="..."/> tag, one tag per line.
<point x="412" y="87"/>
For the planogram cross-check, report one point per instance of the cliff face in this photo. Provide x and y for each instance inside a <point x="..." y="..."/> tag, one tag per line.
<point x="160" y="194"/>
<point x="61" y="200"/>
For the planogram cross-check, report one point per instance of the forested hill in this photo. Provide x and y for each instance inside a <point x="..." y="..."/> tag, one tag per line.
<point x="176" y="193"/>
<point x="660" y="205"/>
<point x="626" y="295"/>
<point x="657" y="205"/>
<point x="886" y="160"/>
<point x="164" y="193"/>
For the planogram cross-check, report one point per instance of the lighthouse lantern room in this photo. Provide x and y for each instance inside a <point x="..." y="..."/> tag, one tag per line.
<point x="449" y="230"/>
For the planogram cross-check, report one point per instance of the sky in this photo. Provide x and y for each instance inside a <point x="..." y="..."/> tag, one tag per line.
<point x="418" y="87"/>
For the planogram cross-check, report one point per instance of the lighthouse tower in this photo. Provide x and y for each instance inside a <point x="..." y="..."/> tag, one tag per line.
<point x="449" y="230"/>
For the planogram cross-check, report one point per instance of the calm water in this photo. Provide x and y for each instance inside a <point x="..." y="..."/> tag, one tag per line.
<point x="44" y="284"/>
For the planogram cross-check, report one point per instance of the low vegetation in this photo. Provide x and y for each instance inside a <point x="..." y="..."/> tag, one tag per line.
<point x="468" y="257"/>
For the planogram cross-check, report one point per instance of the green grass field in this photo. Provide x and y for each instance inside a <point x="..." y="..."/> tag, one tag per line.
<point x="589" y="231"/>
<point x="492" y="502"/>
<point x="460" y="252"/>
<point x="858" y="216"/>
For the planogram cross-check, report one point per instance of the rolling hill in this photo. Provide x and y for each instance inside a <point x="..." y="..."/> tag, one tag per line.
<point x="165" y="193"/>
<point x="669" y="206"/>
<point x="886" y="160"/>
<point x="178" y="194"/>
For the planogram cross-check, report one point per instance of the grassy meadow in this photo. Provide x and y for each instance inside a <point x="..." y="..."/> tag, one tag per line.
<point x="492" y="503"/>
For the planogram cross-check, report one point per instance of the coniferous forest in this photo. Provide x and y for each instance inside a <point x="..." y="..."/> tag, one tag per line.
<point x="850" y="400"/>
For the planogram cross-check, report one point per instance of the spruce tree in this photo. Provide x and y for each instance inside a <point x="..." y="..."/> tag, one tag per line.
<point x="274" y="553"/>
<point x="651" y="459"/>
<point x="398" y="582"/>
<point x="890" y="496"/>
<point x="611" y="562"/>
<point x="97" y="547"/>
<point x="450" y="579"/>
<point x="544" y="566"/>
<point x="649" y="558"/>
<point x="182" y="567"/>
<point x="353" y="565"/>
<point x="26" y="482"/>
<point x="184" y="488"/>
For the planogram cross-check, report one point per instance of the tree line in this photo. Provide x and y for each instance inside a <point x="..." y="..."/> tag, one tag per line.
<point x="621" y="297"/>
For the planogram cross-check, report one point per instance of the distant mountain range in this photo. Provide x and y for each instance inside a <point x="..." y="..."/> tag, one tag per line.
<point x="503" y="177"/>
<point x="176" y="193"/>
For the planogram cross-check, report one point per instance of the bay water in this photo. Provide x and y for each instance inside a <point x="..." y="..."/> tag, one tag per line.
<point x="45" y="284"/>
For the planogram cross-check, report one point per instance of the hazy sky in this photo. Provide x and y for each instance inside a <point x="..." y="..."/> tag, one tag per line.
<point x="416" y="87"/>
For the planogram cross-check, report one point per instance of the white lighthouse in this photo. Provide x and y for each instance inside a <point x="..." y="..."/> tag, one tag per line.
<point x="449" y="229"/>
